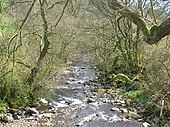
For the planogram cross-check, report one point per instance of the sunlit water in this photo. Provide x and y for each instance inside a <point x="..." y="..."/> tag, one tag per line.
<point x="71" y="99"/>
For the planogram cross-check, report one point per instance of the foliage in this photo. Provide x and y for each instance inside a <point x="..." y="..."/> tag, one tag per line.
<point x="142" y="97"/>
<point x="157" y="74"/>
<point x="124" y="61"/>
<point x="13" y="91"/>
<point x="21" y="37"/>
<point x="2" y="106"/>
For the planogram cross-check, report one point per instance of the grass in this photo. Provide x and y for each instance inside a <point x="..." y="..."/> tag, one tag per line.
<point x="140" y="96"/>
<point x="2" y="106"/>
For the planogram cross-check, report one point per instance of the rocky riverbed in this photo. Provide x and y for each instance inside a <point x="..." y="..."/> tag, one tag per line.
<point x="79" y="101"/>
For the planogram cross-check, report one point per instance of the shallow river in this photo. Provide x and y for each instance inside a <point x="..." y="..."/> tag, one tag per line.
<point x="80" y="105"/>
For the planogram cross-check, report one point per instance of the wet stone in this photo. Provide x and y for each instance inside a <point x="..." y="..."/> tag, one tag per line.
<point x="114" y="109"/>
<point x="83" y="67"/>
<point x="30" y="111"/>
<point x="124" y="110"/>
<point x="16" y="117"/>
<point x="90" y="100"/>
<point x="140" y="120"/>
<point x="79" y="101"/>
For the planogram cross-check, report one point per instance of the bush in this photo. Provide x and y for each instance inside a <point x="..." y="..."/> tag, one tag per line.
<point x="157" y="75"/>
<point x="14" y="91"/>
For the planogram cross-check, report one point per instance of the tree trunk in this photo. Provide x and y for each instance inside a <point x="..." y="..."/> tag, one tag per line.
<point x="0" y="7"/>
<point x="153" y="34"/>
<point x="46" y="44"/>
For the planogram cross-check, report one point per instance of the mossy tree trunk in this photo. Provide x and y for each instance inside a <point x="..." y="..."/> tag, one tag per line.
<point x="0" y="6"/>
<point x="45" y="41"/>
<point x="46" y="44"/>
<point x="152" y="34"/>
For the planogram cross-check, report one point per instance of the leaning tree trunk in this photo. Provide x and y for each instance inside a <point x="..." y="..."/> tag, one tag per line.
<point x="152" y="34"/>
<point x="46" y="44"/>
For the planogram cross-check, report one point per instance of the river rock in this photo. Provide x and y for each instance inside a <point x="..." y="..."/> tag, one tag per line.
<point x="81" y="81"/>
<point x="90" y="100"/>
<point x="6" y="118"/>
<point x="123" y="110"/>
<point x="30" y="111"/>
<point x="43" y="101"/>
<point x="83" y="68"/>
<point x="48" y="115"/>
<point x="132" y="115"/>
<point x="44" y="108"/>
<point x="17" y="117"/>
<point x="59" y="105"/>
<point x="140" y="120"/>
<point x="13" y="111"/>
<point x="53" y="110"/>
<point x="145" y="124"/>
<point x="86" y="83"/>
<point x="114" y="109"/>
<point x="105" y="100"/>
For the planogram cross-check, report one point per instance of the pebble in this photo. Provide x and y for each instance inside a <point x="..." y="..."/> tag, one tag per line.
<point x="115" y="109"/>
<point x="83" y="68"/>
<point x="90" y="100"/>
<point x="123" y="110"/>
<point x="140" y="120"/>
<point x="48" y="115"/>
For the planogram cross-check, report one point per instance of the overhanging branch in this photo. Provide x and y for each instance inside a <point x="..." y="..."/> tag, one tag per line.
<point x="152" y="35"/>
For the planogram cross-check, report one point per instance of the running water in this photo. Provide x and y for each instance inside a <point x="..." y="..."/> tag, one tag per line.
<point x="79" y="104"/>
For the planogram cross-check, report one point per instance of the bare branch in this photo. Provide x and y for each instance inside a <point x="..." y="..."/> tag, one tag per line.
<point x="62" y="13"/>
<point x="153" y="34"/>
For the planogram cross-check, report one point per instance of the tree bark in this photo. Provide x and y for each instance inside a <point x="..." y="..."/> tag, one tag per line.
<point x="152" y="34"/>
<point x="45" y="41"/>
<point x="46" y="44"/>
<point x="0" y="7"/>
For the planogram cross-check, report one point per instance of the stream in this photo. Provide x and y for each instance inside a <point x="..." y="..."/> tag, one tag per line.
<point x="80" y="104"/>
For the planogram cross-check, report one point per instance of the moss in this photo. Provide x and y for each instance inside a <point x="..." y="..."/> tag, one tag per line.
<point x="153" y="30"/>
<point x="148" y="28"/>
<point x="138" y="96"/>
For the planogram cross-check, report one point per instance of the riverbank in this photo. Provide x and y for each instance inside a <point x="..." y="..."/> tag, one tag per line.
<point x="78" y="100"/>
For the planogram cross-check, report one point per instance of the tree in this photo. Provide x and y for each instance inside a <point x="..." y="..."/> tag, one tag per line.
<point x="152" y="34"/>
<point x="45" y="40"/>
